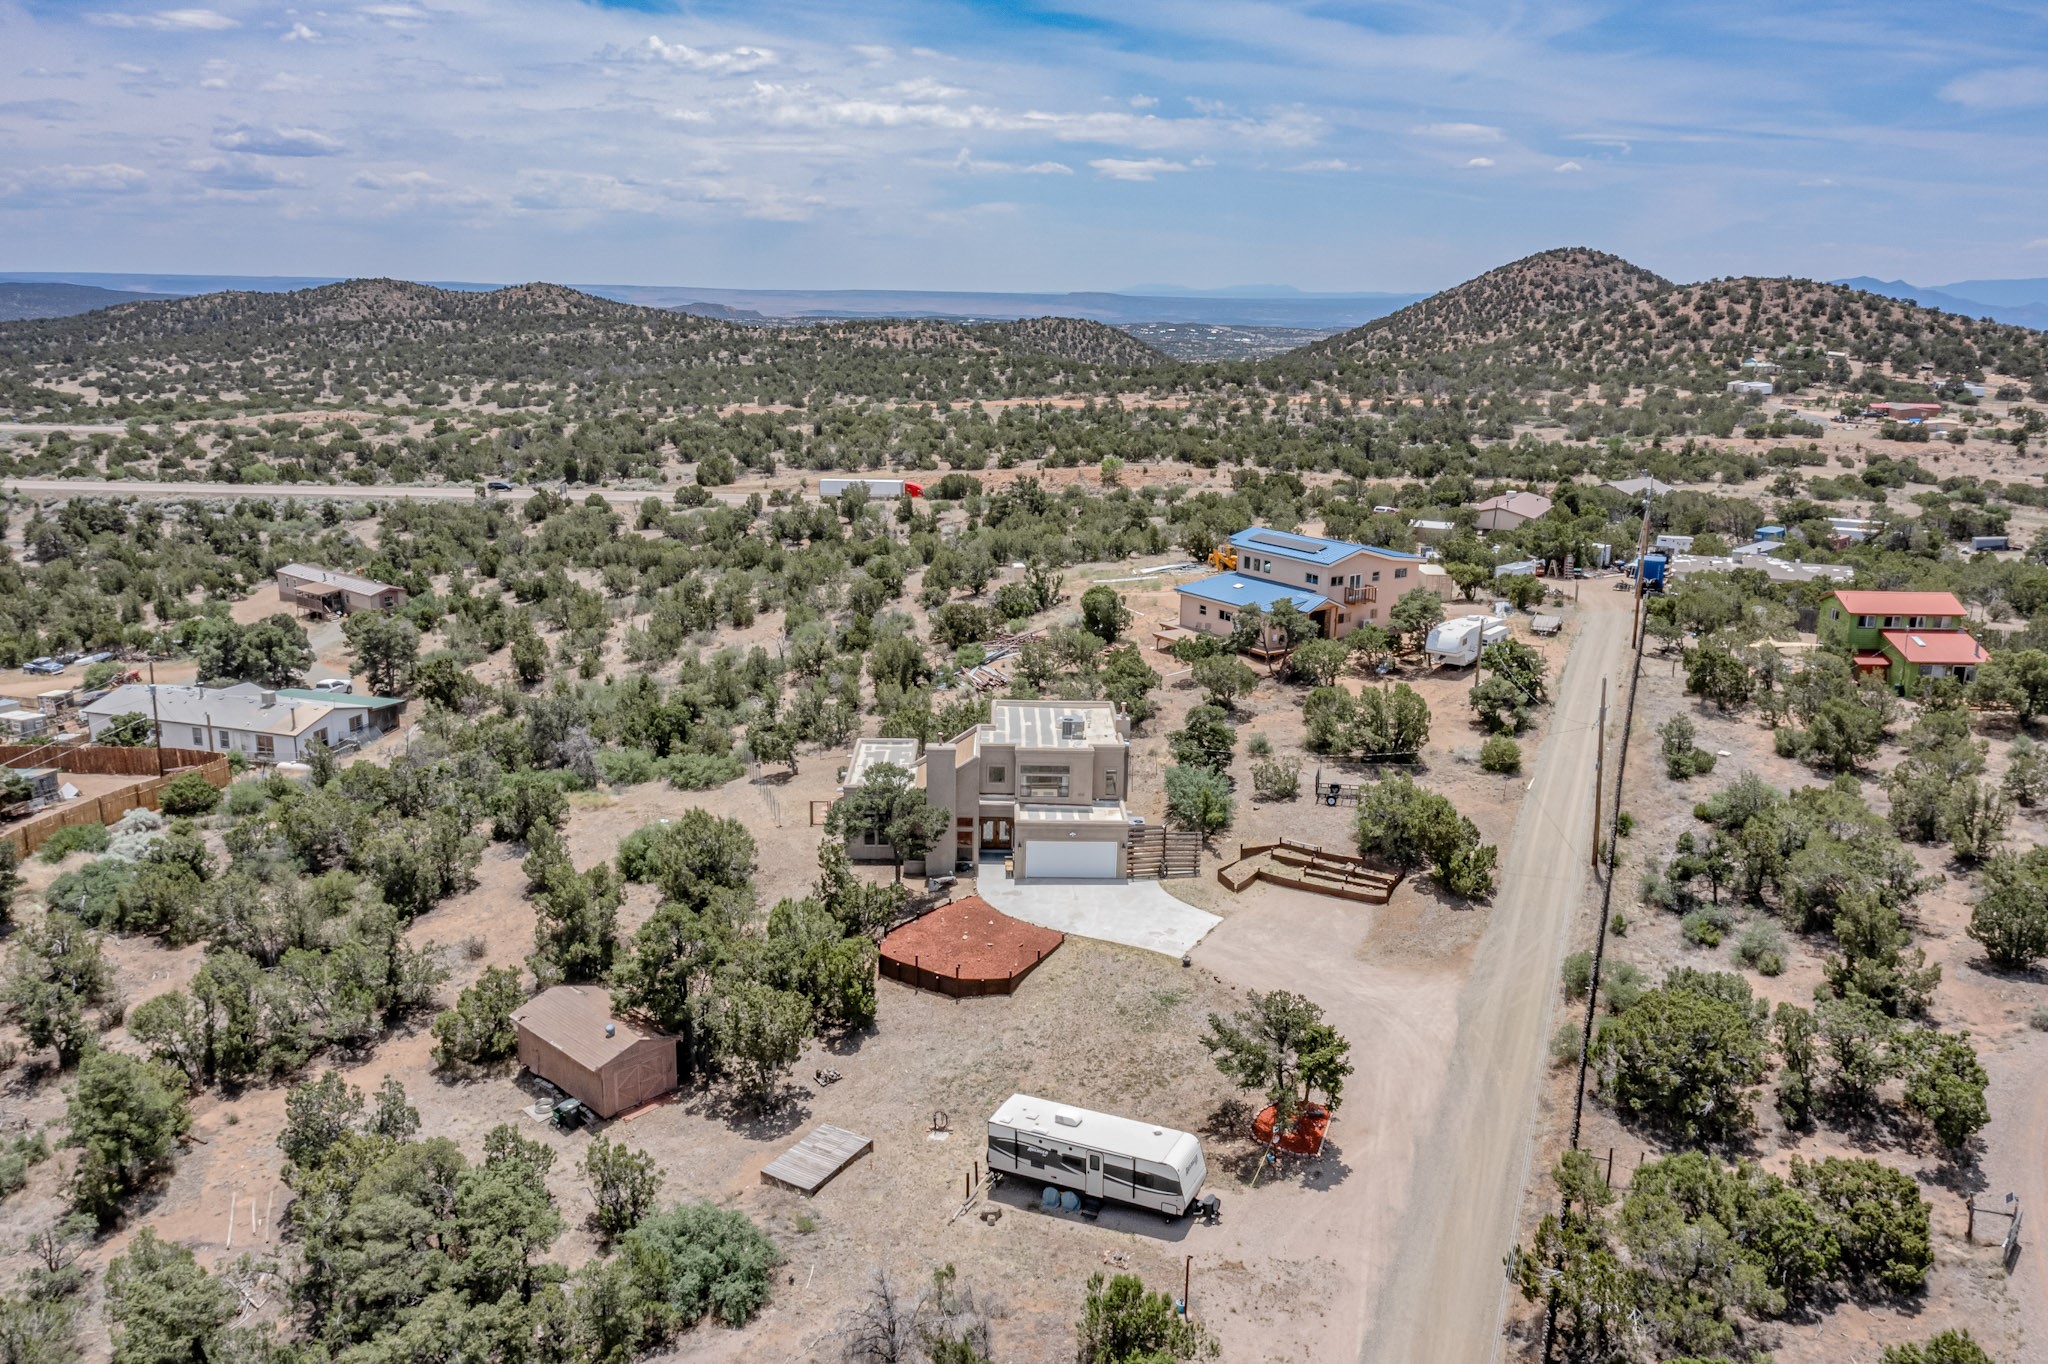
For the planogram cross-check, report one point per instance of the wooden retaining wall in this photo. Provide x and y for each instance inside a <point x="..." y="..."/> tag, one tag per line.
<point x="104" y="761"/>
<point x="1343" y="875"/>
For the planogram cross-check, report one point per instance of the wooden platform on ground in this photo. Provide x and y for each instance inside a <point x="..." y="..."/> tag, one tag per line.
<point x="1304" y="866"/>
<point x="810" y="1164"/>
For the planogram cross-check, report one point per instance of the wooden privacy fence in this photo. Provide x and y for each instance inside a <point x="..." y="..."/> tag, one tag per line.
<point x="138" y="762"/>
<point x="1159" y="853"/>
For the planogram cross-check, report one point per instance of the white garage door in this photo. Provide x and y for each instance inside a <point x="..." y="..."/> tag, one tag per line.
<point x="1045" y="859"/>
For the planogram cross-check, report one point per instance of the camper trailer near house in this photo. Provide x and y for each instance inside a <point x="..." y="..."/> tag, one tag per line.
<point x="1457" y="643"/>
<point x="1098" y="1155"/>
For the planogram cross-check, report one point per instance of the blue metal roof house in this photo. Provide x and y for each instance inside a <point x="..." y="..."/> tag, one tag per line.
<point x="1339" y="584"/>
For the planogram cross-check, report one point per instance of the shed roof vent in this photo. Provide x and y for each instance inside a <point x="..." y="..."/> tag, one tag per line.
<point x="611" y="1030"/>
<point x="1067" y="1119"/>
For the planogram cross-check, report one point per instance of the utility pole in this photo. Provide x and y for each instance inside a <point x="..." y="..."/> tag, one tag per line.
<point x="1642" y="548"/>
<point x="156" y="728"/>
<point x="1599" y="772"/>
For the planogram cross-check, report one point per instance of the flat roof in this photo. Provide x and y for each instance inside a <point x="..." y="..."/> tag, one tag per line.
<point x="1236" y="589"/>
<point x="1100" y="812"/>
<point x="1143" y="1140"/>
<point x="869" y="752"/>
<point x="1038" y="724"/>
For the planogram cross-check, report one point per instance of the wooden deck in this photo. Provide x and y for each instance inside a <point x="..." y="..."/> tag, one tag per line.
<point x="810" y="1164"/>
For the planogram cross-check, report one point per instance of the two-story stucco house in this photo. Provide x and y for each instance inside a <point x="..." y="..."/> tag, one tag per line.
<point x="1338" y="584"/>
<point x="1904" y="637"/>
<point x="1042" y="781"/>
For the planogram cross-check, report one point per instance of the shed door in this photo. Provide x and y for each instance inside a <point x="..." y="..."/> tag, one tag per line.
<point x="1068" y="860"/>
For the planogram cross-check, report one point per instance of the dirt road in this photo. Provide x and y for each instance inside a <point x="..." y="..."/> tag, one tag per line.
<point x="1444" y="1295"/>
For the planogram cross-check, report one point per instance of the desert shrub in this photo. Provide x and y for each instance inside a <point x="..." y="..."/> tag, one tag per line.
<point x="701" y="771"/>
<point x="1762" y="948"/>
<point x="1876" y="1215"/>
<point x="1259" y="746"/>
<point x="190" y="794"/>
<point x="1706" y="925"/>
<point x="93" y="891"/>
<point x="1500" y="754"/>
<point x="1683" y="1058"/>
<point x="1276" y="778"/>
<point x="1578" y="975"/>
<point x="1565" y="1044"/>
<point x="1197" y="799"/>
<point x="479" y="1028"/>
<point x="697" y="1260"/>
<point x="73" y="838"/>
<point x="1621" y="985"/>
<point x="1948" y="1347"/>
<point x="246" y="798"/>
<point x="1682" y="757"/>
<point x="627" y="766"/>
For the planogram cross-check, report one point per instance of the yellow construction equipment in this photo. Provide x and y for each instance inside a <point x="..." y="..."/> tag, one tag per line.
<point x="1223" y="558"/>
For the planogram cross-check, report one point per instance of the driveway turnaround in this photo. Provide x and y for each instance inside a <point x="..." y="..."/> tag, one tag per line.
<point x="1135" y="913"/>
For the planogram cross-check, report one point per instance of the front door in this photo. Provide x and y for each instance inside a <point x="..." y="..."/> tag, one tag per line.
<point x="1094" y="1175"/>
<point x="995" y="833"/>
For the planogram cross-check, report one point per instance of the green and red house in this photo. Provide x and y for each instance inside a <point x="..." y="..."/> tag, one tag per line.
<point x="1906" y="637"/>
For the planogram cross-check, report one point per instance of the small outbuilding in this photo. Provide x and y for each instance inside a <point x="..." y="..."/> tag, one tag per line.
<point x="569" y="1037"/>
<point x="967" y="947"/>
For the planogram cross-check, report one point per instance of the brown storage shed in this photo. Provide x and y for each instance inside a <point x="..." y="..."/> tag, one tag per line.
<point x="569" y="1038"/>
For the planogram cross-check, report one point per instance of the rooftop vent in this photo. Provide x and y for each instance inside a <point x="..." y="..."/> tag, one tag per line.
<point x="270" y="698"/>
<point x="1918" y="642"/>
<point x="1071" y="726"/>
<point x="611" y="1030"/>
<point x="1067" y="1119"/>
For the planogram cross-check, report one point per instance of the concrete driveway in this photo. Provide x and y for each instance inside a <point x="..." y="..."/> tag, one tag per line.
<point x="1135" y="913"/>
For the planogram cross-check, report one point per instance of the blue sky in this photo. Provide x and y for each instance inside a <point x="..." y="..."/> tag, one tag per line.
<point x="1079" y="145"/>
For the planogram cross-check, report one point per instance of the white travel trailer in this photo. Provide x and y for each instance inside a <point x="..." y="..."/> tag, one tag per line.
<point x="876" y="487"/>
<point x="1457" y="642"/>
<point x="1096" y="1154"/>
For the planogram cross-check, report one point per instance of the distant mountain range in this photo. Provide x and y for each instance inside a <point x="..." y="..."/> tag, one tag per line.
<point x="1243" y="307"/>
<point x="20" y="302"/>
<point x="2021" y="302"/>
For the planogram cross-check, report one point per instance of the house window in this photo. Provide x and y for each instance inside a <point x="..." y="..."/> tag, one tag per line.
<point x="1341" y="618"/>
<point x="1201" y="610"/>
<point x="1400" y="573"/>
<point x="1109" y="785"/>
<point x="1222" y="614"/>
<point x="266" y="745"/>
<point x="198" y="736"/>
<point x="998" y="774"/>
<point x="1042" y="779"/>
<point x="1375" y="575"/>
<point x="1354" y="580"/>
<point x="1315" y="580"/>
<point x="867" y="840"/>
<point x="1891" y="622"/>
<point x="355" y="722"/>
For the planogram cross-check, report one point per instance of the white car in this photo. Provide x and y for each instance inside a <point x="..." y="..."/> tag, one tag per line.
<point x="334" y="684"/>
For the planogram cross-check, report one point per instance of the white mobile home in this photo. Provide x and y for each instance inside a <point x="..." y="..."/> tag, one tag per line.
<point x="1096" y="1154"/>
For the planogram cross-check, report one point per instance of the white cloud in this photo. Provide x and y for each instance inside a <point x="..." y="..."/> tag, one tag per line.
<point x="275" y="141"/>
<point x="166" y="20"/>
<point x="1151" y="168"/>
<point x="687" y="116"/>
<point x="2012" y="87"/>
<point x="299" y="33"/>
<point x="1459" y="132"/>
<point x="1480" y="162"/>
<point x="241" y="174"/>
<point x="1333" y="163"/>
<point x="1569" y="168"/>
<point x="106" y="178"/>
<point x="1144" y="101"/>
<point x="731" y="63"/>
<point x="396" y="16"/>
<point x="874" y="53"/>
<point x="925" y="88"/>
<point x="967" y="163"/>
<point x="2038" y="244"/>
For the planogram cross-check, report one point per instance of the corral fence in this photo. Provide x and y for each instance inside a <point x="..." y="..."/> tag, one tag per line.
<point x="1157" y="854"/>
<point x="106" y="761"/>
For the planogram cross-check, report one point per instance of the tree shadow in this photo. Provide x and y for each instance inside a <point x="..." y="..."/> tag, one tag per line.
<point x="786" y="1109"/>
